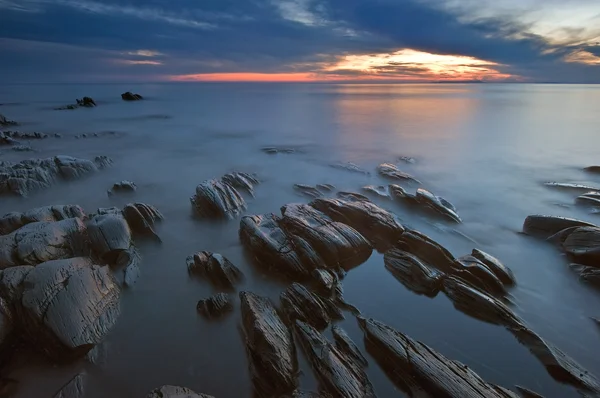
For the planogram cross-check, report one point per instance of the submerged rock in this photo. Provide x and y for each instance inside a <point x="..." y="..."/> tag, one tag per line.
<point x="122" y="186"/>
<point x="546" y="226"/>
<point x="344" y="344"/>
<point x="129" y="96"/>
<point x="338" y="374"/>
<point x="418" y="369"/>
<point x="73" y="389"/>
<point x="325" y="187"/>
<point x="15" y="220"/>
<point x="589" y="199"/>
<point x="215" y="306"/>
<point x="272" y="150"/>
<point x="571" y="186"/>
<point x="215" y="268"/>
<point x="588" y="274"/>
<point x="349" y="166"/>
<point x="583" y="244"/>
<point x="269" y="345"/>
<point x="407" y="159"/>
<point x="352" y="196"/>
<point x="175" y="392"/>
<point x="437" y="204"/>
<point x="379" y="226"/>
<point x="300" y="304"/>
<point x="6" y="122"/>
<point x="428" y="250"/>
<point x="493" y="264"/>
<point x="413" y="273"/>
<point x="391" y="171"/>
<point x="87" y="102"/>
<point x="69" y="306"/>
<point x="307" y="190"/>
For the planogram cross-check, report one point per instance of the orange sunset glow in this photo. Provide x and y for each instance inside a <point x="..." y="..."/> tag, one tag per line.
<point x="403" y="65"/>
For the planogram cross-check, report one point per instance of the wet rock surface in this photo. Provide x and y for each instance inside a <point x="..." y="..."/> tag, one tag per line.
<point x="428" y="250"/>
<point x="571" y="186"/>
<point x="69" y="306"/>
<point x="593" y="169"/>
<point x="349" y="166"/>
<point x="307" y="190"/>
<point x="503" y="273"/>
<point x="344" y="344"/>
<point x="418" y="369"/>
<point x="478" y="275"/>
<point x="352" y="196"/>
<point x="217" y="199"/>
<point x="583" y="245"/>
<point x="338" y="374"/>
<point x="129" y="96"/>
<point x="437" y="204"/>
<point x="215" y="268"/>
<point x="269" y="346"/>
<point x="175" y="392"/>
<point x="545" y="226"/>
<point x="122" y="187"/>
<point x="379" y="190"/>
<point x="12" y="221"/>
<point x="241" y="180"/>
<point x="141" y="218"/>
<point x="73" y="389"/>
<point x="300" y="304"/>
<point x="392" y="171"/>
<point x="413" y="273"/>
<point x="215" y="306"/>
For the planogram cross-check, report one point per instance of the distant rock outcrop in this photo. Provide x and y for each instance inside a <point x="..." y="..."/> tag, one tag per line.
<point x="129" y="96"/>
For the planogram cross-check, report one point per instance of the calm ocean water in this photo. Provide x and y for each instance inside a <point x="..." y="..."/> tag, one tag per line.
<point x="485" y="148"/>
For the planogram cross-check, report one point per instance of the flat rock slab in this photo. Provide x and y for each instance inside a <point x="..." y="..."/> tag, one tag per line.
<point x="69" y="306"/>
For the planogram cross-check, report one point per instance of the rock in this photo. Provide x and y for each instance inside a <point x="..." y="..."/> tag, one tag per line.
<point x="352" y="197"/>
<point x="407" y="159"/>
<point x="325" y="280"/>
<point x="5" y="122"/>
<point x="217" y="199"/>
<point x="306" y="394"/>
<point x="6" y="140"/>
<point x="588" y="274"/>
<point x="215" y="306"/>
<point x="413" y="273"/>
<point x="87" y="102"/>
<point x="589" y="199"/>
<point x="546" y="226"/>
<point x="109" y="235"/>
<point x="22" y="148"/>
<point x="399" y="194"/>
<point x="476" y="303"/>
<point x="11" y="283"/>
<point x="25" y="136"/>
<point x="379" y="190"/>
<point x="123" y="186"/>
<point x="269" y="345"/>
<point x="141" y="218"/>
<point x="379" y="226"/>
<point x="42" y="241"/>
<point x="349" y="166"/>
<point x="175" y="392"/>
<point x="493" y="264"/>
<point x="129" y="96"/>
<point x="427" y="250"/>
<point x="593" y="169"/>
<point x="325" y="187"/>
<point x="300" y="304"/>
<point x="216" y="268"/>
<point x="479" y="275"/>
<point x="69" y="306"/>
<point x="437" y="204"/>
<point x="338" y="374"/>
<point x="241" y="180"/>
<point x="272" y="150"/>
<point x="571" y="186"/>
<point x="7" y="328"/>
<point x="307" y="190"/>
<point x="583" y="244"/>
<point x="73" y="389"/>
<point x="526" y="393"/>
<point x="15" y="220"/>
<point x="391" y="171"/>
<point x="344" y="344"/>
<point x="417" y="368"/>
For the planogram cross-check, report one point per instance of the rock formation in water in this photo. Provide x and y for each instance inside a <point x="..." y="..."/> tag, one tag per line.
<point x="308" y="190"/>
<point x="86" y="101"/>
<point x="34" y="174"/>
<point x="571" y="186"/>
<point x="344" y="344"/>
<point x="141" y="218"/>
<point x="73" y="389"/>
<point x="593" y="169"/>
<point x="220" y="198"/>
<point x="129" y="96"/>
<point x="591" y="199"/>
<point x="175" y="392"/>
<point x="391" y="171"/>
<point x="493" y="264"/>
<point x="413" y="273"/>
<point x="428" y="250"/>
<point x="298" y="303"/>
<point x="215" y="268"/>
<point x="6" y="122"/>
<point x="15" y="220"/>
<point x="379" y="190"/>
<point x="269" y="346"/>
<point x="272" y="150"/>
<point x="122" y="187"/>
<point x="349" y="166"/>
<point x="214" y="306"/>
<point x="546" y="226"/>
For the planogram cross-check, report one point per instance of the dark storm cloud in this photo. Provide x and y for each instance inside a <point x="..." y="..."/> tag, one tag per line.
<point x="253" y="35"/>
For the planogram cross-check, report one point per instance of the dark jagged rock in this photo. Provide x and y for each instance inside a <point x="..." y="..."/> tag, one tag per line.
<point x="241" y="180"/>
<point x="272" y="150"/>
<point x="421" y="371"/>
<point x="73" y="389"/>
<point x="306" y="394"/>
<point x="129" y="96"/>
<point x="215" y="306"/>
<point x="427" y="250"/>
<point x="407" y="159"/>
<point x="437" y="204"/>
<point x="325" y="187"/>
<point x="215" y="268"/>
<point x="413" y="273"/>
<point x="217" y="199"/>
<point x="11" y="283"/>
<point x="175" y="392"/>
<point x="391" y="171"/>
<point x="307" y="190"/>
<point x="141" y="218"/>
<point x="399" y="194"/>
<point x="42" y="241"/>
<point x="6" y="140"/>
<point x="352" y="196"/>
<point x="69" y="306"/>
<point x="344" y="344"/>
<point x="571" y="186"/>
<point x="478" y="304"/>
<point x="6" y="122"/>
<point x="593" y="169"/>
<point x="15" y="220"/>
<point x="7" y="327"/>
<point x="325" y="280"/>
<point x="546" y="226"/>
<point x="337" y="244"/>
<point x="102" y="161"/>
<point x="493" y="264"/>
<point x="379" y="190"/>
<point x="25" y="136"/>
<point x="122" y="186"/>
<point x="300" y="304"/>
<point x="337" y="373"/>
<point x="381" y="227"/>
<point x="527" y="393"/>
<point x="269" y="346"/>
<point x="479" y="275"/>
<point x="349" y="166"/>
<point x="86" y="101"/>
<point x="583" y="244"/>
<point x="588" y="274"/>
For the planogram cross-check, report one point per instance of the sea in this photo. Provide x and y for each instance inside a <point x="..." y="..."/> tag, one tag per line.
<point x="486" y="148"/>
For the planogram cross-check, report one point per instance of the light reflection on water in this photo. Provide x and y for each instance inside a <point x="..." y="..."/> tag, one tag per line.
<point x="486" y="148"/>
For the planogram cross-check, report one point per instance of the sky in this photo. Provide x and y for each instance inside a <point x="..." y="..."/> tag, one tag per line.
<point x="58" y="41"/>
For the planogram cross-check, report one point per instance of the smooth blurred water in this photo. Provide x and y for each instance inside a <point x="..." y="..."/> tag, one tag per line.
<point x="486" y="148"/>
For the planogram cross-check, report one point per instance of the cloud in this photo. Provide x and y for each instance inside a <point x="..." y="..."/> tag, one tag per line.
<point x="145" y="53"/>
